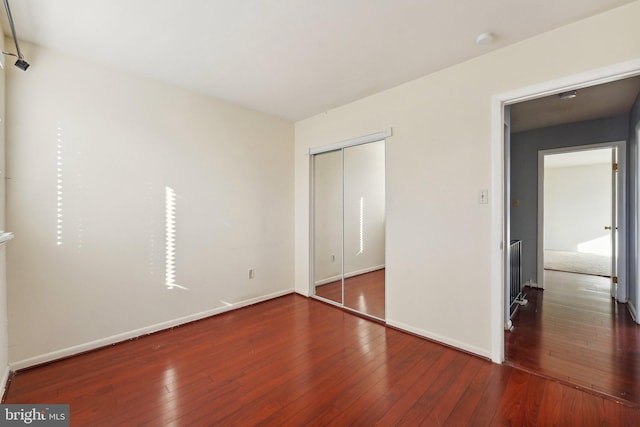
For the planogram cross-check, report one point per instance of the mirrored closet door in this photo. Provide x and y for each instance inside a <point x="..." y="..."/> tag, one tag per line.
<point x="327" y="215"/>
<point x="348" y="227"/>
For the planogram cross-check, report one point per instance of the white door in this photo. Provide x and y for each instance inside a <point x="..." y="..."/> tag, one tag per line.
<point x="613" y="222"/>
<point x="613" y="227"/>
<point x="618" y="225"/>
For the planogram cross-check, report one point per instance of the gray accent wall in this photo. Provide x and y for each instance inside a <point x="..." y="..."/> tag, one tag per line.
<point x="634" y="119"/>
<point x="524" y="173"/>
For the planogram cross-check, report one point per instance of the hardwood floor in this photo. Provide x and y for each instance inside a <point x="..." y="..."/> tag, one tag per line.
<point x="573" y="331"/>
<point x="295" y="361"/>
<point x="363" y="293"/>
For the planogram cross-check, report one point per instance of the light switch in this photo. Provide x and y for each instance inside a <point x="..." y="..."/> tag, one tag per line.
<point x="483" y="197"/>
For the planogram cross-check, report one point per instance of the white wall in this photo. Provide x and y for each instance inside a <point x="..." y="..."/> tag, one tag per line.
<point x="117" y="142"/>
<point x="577" y="207"/>
<point x="439" y="242"/>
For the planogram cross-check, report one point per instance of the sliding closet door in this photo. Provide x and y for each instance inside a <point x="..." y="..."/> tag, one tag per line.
<point x="327" y="225"/>
<point x="364" y="228"/>
<point x="348" y="227"/>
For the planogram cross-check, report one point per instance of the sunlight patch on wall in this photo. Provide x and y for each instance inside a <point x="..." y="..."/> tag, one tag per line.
<point x="170" y="239"/>
<point x="361" y="226"/>
<point x="59" y="185"/>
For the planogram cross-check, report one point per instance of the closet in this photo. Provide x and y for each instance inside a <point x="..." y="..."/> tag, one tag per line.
<point x="348" y="225"/>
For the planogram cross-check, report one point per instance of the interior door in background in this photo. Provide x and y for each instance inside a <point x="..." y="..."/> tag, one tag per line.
<point x="577" y="211"/>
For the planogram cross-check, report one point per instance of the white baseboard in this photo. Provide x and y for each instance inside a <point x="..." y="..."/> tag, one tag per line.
<point x="5" y="380"/>
<point x="346" y="276"/>
<point x="442" y="339"/>
<point x="92" y="345"/>
<point x="632" y="311"/>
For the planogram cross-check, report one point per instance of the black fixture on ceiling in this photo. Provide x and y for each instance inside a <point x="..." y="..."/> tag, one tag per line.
<point x="20" y="63"/>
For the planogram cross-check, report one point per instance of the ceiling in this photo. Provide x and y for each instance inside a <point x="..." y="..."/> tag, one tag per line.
<point x="289" y="58"/>
<point x="604" y="100"/>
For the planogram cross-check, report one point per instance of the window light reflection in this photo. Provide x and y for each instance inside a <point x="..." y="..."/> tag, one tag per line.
<point x="170" y="239"/>
<point x="59" y="185"/>
<point x="361" y="226"/>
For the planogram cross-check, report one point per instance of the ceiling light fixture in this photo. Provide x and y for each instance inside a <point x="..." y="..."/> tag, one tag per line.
<point x="568" y="95"/>
<point x="20" y="63"/>
<point x="485" y="39"/>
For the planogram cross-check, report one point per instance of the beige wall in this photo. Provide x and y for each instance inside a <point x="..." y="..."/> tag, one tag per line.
<point x="440" y="248"/>
<point x="117" y="142"/>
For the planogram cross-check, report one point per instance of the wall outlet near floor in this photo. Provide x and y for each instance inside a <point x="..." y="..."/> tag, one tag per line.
<point x="251" y="273"/>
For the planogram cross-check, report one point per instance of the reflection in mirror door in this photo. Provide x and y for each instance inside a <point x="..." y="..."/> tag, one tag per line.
<point x="364" y="228"/>
<point x="327" y="225"/>
<point x="349" y="227"/>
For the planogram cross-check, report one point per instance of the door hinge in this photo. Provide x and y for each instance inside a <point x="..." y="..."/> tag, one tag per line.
<point x="615" y="167"/>
<point x="614" y="279"/>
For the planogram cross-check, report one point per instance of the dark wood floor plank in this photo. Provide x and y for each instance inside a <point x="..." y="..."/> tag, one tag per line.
<point x="450" y="397"/>
<point x="468" y="403"/>
<point x="294" y="361"/>
<point x="324" y="403"/>
<point x="492" y="395"/>
<point x="511" y="410"/>
<point x="378" y="400"/>
<point x="420" y="399"/>
<point x="573" y="331"/>
<point x="283" y="393"/>
<point x="395" y="387"/>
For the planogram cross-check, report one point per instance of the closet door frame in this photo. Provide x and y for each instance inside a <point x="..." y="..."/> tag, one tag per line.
<point x="339" y="146"/>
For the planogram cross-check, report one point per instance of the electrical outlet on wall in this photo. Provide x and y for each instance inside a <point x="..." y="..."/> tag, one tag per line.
<point x="251" y="273"/>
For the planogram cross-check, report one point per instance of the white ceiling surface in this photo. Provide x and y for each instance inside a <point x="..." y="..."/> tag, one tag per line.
<point x="289" y="58"/>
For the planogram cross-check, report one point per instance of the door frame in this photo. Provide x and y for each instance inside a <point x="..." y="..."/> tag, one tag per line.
<point x="499" y="179"/>
<point x="622" y="204"/>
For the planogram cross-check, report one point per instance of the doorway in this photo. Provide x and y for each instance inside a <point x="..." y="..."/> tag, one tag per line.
<point x="348" y="226"/>
<point x="582" y="207"/>
<point x="573" y="330"/>
<point x="501" y="181"/>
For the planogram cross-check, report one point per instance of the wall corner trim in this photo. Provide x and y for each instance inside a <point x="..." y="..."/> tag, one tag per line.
<point x="632" y="311"/>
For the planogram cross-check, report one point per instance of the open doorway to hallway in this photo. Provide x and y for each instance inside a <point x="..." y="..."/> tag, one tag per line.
<point x="581" y="212"/>
<point x="573" y="330"/>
